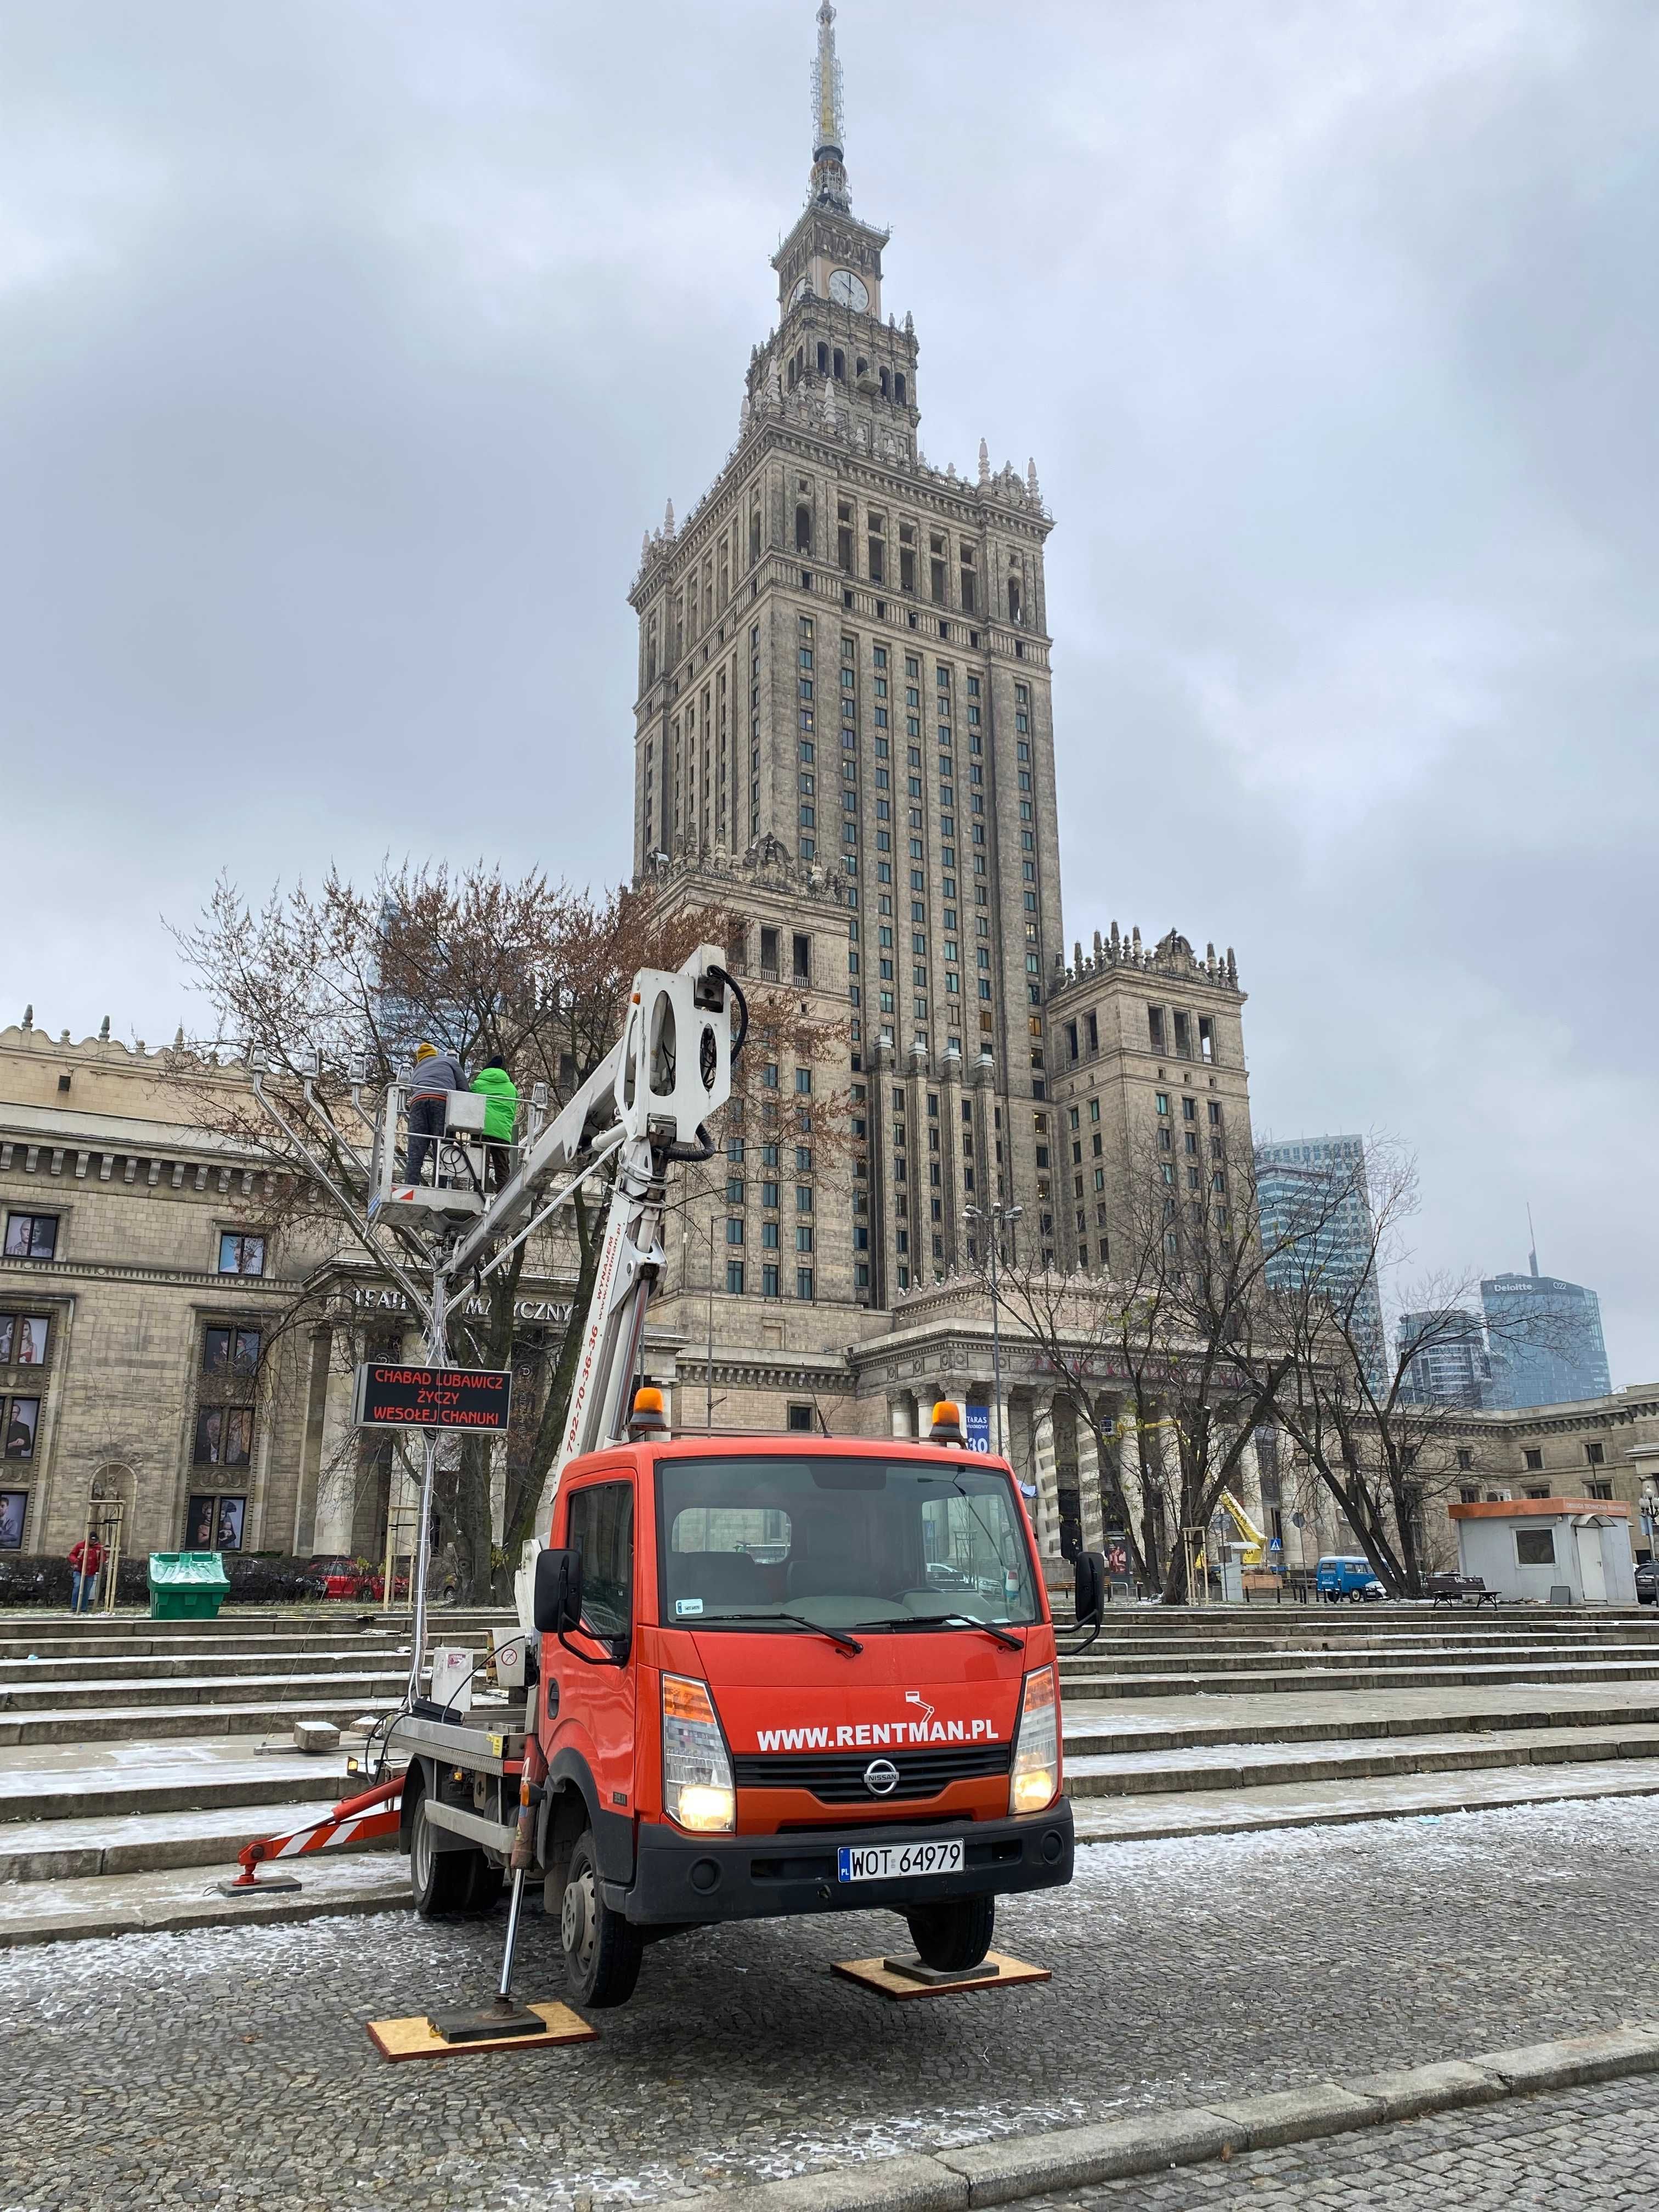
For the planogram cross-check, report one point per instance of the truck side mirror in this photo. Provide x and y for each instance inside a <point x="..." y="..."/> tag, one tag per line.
<point x="558" y="1592"/>
<point x="1090" y="1588"/>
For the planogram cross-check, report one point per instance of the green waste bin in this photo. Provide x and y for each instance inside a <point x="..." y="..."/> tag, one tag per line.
<point x="187" y="1585"/>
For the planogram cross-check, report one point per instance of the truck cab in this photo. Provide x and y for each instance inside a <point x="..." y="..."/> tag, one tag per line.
<point x="782" y="1676"/>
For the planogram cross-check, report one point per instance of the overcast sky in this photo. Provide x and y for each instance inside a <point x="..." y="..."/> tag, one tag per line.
<point x="347" y="346"/>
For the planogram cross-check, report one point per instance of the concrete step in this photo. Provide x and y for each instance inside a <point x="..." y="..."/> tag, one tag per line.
<point x="107" y="1723"/>
<point x="231" y="1620"/>
<point x="111" y="1669"/>
<point x="1332" y="1803"/>
<point x="1097" y="1684"/>
<point x="97" y="1782"/>
<point x="1088" y="1733"/>
<point x="21" y="1701"/>
<point x="1225" y="1650"/>
<point x="1244" y="1767"/>
<point x="177" y="1900"/>
<point x="148" y="1843"/>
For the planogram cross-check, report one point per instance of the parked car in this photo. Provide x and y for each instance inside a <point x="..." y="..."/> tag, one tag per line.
<point x="1339" y="1575"/>
<point x="1647" y="1582"/>
<point x="331" y="1574"/>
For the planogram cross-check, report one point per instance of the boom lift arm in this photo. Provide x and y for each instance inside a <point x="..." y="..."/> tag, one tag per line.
<point x="648" y="1103"/>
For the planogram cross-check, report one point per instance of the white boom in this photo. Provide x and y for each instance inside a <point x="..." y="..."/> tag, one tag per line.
<point x="648" y="1103"/>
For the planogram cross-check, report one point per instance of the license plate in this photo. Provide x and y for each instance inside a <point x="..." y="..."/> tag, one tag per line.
<point x="890" y="1862"/>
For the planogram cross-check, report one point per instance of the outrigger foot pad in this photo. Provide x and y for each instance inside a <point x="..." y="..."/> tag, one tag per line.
<point x="942" y="1977"/>
<point x="275" y="1884"/>
<point x="485" y="2023"/>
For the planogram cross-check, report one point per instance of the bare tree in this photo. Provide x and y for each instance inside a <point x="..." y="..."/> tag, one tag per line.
<point x="1183" y="1324"/>
<point x="535" y="972"/>
<point x="1358" y="1401"/>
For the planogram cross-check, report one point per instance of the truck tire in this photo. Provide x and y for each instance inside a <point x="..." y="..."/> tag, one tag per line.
<point x="952" y="1937"/>
<point x="442" y="1880"/>
<point x="602" y="1953"/>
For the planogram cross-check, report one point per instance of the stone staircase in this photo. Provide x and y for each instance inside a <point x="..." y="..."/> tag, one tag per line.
<point x="134" y="1752"/>
<point x="117" y="1677"/>
<point x="136" y="1756"/>
<point x="1187" y="1723"/>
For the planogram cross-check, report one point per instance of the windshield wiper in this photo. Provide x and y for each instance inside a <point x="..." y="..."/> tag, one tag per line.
<point x="946" y="1620"/>
<point x="835" y="1635"/>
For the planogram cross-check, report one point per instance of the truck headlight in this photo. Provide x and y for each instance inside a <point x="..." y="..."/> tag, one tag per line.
<point x="697" y="1791"/>
<point x="1034" y="1779"/>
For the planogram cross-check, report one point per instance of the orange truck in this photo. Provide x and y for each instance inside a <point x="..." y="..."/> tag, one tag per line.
<point x="774" y="1675"/>
<point x="754" y="1676"/>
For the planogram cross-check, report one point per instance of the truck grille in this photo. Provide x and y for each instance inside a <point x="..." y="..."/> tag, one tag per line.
<point x="837" y="1778"/>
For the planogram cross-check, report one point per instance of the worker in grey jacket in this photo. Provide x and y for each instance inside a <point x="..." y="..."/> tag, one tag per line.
<point x="436" y="1074"/>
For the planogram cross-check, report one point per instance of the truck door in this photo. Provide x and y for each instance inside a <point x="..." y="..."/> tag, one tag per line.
<point x="597" y="1701"/>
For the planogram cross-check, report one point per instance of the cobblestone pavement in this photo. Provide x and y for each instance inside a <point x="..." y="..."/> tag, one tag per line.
<point x="1580" y="2151"/>
<point x="230" y="2067"/>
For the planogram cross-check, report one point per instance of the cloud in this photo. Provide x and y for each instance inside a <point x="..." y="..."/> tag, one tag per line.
<point x="347" y="348"/>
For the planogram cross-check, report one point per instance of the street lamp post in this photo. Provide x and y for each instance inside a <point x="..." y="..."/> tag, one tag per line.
<point x="995" y="1217"/>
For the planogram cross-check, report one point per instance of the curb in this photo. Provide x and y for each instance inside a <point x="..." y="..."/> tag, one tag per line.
<point x="1016" y="2166"/>
<point x="186" y="1914"/>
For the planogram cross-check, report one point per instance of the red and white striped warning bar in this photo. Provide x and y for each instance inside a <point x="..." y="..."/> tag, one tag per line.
<point x="355" y="1821"/>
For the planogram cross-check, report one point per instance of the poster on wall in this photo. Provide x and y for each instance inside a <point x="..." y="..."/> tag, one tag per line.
<point x="30" y="1349"/>
<point x="14" y="1507"/>
<point x="23" y="1419"/>
<point x="228" y="1534"/>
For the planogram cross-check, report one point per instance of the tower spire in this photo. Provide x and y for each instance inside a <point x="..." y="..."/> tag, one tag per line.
<point x="828" y="184"/>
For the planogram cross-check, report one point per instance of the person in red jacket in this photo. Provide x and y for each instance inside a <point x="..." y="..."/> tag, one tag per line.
<point x="86" y="1564"/>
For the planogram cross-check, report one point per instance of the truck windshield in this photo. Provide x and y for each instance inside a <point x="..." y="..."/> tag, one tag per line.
<point x="839" y="1542"/>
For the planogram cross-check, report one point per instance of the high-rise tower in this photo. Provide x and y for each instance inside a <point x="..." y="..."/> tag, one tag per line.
<point x="844" y="672"/>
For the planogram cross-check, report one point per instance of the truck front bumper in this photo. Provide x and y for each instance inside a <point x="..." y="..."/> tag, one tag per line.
<point x="690" y="1880"/>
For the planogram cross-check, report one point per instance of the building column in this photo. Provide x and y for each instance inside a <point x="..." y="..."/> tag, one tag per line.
<point x="1047" y="1514"/>
<point x="1088" y="1483"/>
<point x="336" y="1468"/>
<point x="901" y="1413"/>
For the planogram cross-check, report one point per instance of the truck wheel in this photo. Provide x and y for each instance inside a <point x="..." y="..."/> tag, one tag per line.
<point x="602" y="1953"/>
<point x="952" y="1937"/>
<point x="442" y="1880"/>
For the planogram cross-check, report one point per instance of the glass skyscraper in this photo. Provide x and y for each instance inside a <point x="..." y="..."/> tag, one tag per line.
<point x="1545" y="1340"/>
<point x="1297" y="1181"/>
<point x="1450" y="1366"/>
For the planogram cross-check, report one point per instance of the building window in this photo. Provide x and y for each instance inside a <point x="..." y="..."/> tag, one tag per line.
<point x="20" y="1423"/>
<point x="734" y="1276"/>
<point x="1534" y="1548"/>
<point x="1468" y="1495"/>
<point x="224" y="1436"/>
<point x="13" y="1512"/>
<point x="1465" y="1461"/>
<point x="804" y="1283"/>
<point x="1596" y="1455"/>
<point x="230" y="1352"/>
<point x="768" y="1281"/>
<point x="241" y="1255"/>
<point x="799" y="1418"/>
<point x="1598" y="1489"/>
<point x="733" y="1228"/>
<point x="30" y="1235"/>
<point x="1535" y="1460"/>
<point x="23" y="1339"/>
<point x="214" y="1523"/>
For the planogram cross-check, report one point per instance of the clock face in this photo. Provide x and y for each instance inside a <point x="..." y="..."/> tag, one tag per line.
<point x="848" y="290"/>
<point x="801" y="290"/>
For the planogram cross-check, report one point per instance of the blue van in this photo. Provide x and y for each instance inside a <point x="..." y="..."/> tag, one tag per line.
<point x="1339" y="1575"/>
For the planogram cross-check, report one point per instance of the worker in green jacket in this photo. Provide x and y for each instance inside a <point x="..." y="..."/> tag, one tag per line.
<point x="500" y="1115"/>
